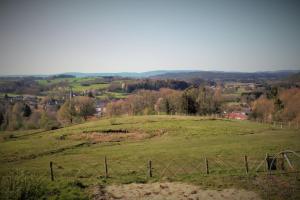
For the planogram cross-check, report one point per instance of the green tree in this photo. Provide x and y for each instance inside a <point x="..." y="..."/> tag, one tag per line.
<point x="6" y="117"/>
<point x="44" y="120"/>
<point x="67" y="112"/>
<point x="167" y="106"/>
<point x="26" y="111"/>
<point x="15" y="117"/>
<point x="48" y="121"/>
<point x="2" y="115"/>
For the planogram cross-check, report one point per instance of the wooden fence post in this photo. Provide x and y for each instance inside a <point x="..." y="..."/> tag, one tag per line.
<point x="282" y="162"/>
<point x="206" y="166"/>
<point x="246" y="164"/>
<point x="288" y="161"/>
<point x="150" y="168"/>
<point x="51" y="171"/>
<point x="266" y="159"/>
<point x="105" y="166"/>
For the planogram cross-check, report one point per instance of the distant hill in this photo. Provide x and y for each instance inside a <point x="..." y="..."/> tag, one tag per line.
<point x="180" y="75"/>
<point x="294" y="77"/>
<point x="126" y="74"/>
<point x="226" y="76"/>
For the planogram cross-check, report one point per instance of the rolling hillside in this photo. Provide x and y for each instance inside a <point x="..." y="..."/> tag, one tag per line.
<point x="128" y="143"/>
<point x="227" y="76"/>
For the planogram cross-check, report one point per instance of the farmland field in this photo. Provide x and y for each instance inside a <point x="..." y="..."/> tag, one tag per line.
<point x="76" y="83"/>
<point x="176" y="145"/>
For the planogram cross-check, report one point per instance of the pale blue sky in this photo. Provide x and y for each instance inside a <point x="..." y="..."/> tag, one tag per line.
<point x="54" y="36"/>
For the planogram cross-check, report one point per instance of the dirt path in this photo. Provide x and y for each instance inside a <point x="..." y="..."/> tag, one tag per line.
<point x="169" y="191"/>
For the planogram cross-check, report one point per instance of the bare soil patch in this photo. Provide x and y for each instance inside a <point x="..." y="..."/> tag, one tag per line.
<point x="115" y="135"/>
<point x="169" y="191"/>
<point x="110" y="137"/>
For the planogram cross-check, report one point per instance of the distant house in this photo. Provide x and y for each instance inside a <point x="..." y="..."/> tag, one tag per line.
<point x="100" y="108"/>
<point x="30" y="98"/>
<point x="53" y="104"/>
<point x="237" y="115"/>
<point x="16" y="98"/>
<point x="32" y="101"/>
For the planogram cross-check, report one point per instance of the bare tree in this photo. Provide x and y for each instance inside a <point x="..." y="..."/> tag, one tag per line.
<point x="85" y="106"/>
<point x="263" y="109"/>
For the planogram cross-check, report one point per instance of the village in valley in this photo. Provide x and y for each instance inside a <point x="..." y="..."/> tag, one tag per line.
<point x="110" y="96"/>
<point x="47" y="119"/>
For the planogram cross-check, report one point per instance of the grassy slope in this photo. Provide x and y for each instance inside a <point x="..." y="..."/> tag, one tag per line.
<point x="185" y="139"/>
<point x="184" y="136"/>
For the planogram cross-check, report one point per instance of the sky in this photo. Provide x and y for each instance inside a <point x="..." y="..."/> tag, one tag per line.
<point x="56" y="36"/>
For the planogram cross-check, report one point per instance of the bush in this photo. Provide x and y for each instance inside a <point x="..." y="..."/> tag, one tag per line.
<point x="20" y="185"/>
<point x="48" y="121"/>
<point x="113" y="121"/>
<point x="68" y="190"/>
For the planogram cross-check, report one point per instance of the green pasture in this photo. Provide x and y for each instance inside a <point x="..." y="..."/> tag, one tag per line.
<point x="76" y="83"/>
<point x="175" y="144"/>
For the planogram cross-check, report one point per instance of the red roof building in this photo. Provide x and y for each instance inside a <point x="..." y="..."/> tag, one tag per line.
<point x="237" y="115"/>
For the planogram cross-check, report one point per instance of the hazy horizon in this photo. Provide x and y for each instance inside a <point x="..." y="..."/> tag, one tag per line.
<point x="53" y="37"/>
<point x="141" y="72"/>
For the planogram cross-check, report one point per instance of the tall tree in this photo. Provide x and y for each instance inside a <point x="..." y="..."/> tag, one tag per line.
<point x="85" y="106"/>
<point x="26" y="110"/>
<point x="48" y="121"/>
<point x="291" y="104"/>
<point x="67" y="112"/>
<point x="16" y="119"/>
<point x="263" y="109"/>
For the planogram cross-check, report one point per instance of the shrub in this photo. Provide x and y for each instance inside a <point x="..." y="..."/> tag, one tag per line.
<point x="20" y="185"/>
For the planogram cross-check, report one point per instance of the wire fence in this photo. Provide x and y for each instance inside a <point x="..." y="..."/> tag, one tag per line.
<point x="281" y="124"/>
<point x="275" y="124"/>
<point x="272" y="174"/>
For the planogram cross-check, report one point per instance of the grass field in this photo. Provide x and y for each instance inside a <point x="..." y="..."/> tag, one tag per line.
<point x="76" y="83"/>
<point x="175" y="142"/>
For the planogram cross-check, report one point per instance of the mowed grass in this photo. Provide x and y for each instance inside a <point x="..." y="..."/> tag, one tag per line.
<point x="174" y="142"/>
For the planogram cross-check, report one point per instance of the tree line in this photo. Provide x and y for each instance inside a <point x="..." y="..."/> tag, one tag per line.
<point x="191" y="101"/>
<point x="274" y="103"/>
<point x="130" y="86"/>
<point x="277" y="104"/>
<point x="19" y="115"/>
